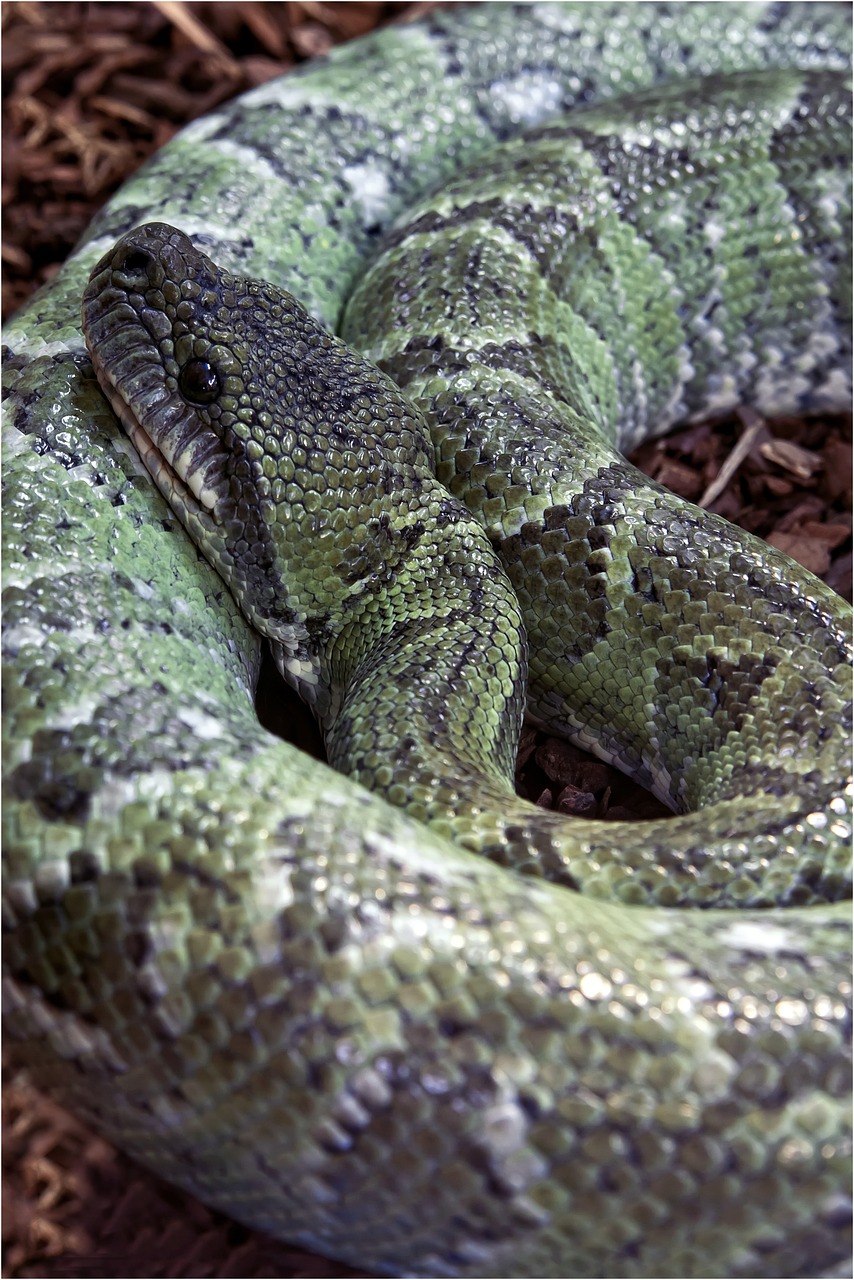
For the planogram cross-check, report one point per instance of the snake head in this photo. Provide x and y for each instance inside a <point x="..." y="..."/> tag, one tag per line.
<point x="158" y="317"/>
<point x="246" y="412"/>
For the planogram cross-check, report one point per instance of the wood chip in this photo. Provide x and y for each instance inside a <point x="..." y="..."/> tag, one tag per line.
<point x="754" y="426"/>
<point x="679" y="478"/>
<point x="122" y="111"/>
<point x="838" y="470"/>
<point x="575" y="802"/>
<point x="802" y="463"/>
<point x="269" y="34"/>
<point x="528" y="742"/>
<point x="840" y="576"/>
<point x="810" y="507"/>
<point x="831" y="534"/>
<point x="558" y="760"/>
<point x="195" y="31"/>
<point x="810" y="552"/>
<point x="779" y="487"/>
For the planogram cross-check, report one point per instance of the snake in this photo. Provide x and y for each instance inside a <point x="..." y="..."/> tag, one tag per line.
<point x="363" y="352"/>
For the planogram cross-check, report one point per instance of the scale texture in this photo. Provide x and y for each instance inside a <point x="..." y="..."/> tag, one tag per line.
<point x="326" y="1015"/>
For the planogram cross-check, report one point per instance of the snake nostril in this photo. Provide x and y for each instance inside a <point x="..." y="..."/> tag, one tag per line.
<point x="137" y="260"/>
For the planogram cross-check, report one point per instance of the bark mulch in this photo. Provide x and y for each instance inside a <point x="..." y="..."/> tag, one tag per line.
<point x="90" y="90"/>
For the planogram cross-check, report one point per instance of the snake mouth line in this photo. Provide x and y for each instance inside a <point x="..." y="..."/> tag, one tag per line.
<point x="184" y="459"/>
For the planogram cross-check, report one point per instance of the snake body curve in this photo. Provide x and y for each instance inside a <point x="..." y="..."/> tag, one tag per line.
<point x="307" y="1007"/>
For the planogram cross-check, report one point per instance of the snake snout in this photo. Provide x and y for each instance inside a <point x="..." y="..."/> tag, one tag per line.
<point x="147" y="256"/>
<point x="145" y="310"/>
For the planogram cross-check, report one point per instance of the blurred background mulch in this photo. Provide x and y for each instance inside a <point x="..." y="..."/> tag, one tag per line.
<point x="89" y="91"/>
<point x="75" y="1207"/>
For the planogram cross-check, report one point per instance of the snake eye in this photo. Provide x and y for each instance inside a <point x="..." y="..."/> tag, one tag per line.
<point x="198" y="382"/>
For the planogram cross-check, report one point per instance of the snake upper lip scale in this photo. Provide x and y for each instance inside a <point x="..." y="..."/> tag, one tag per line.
<point x="326" y="1015"/>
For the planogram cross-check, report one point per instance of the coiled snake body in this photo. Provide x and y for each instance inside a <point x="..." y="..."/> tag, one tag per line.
<point x="318" y="1012"/>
